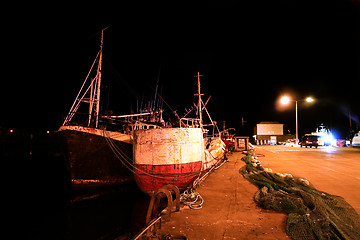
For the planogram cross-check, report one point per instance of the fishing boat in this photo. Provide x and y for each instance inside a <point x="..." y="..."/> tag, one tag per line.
<point x="98" y="148"/>
<point x="176" y="155"/>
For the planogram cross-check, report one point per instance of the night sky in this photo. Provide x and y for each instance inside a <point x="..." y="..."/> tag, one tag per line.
<point x="248" y="55"/>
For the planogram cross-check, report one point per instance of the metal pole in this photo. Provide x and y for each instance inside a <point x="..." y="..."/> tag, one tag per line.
<point x="91" y="102"/>
<point x="98" y="87"/>
<point x="296" y="120"/>
<point x="199" y="103"/>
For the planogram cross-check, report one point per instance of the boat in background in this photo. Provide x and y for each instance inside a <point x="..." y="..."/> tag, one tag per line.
<point x="98" y="149"/>
<point x="175" y="155"/>
<point x="228" y="137"/>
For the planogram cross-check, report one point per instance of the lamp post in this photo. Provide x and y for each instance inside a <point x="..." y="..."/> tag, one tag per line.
<point x="286" y="100"/>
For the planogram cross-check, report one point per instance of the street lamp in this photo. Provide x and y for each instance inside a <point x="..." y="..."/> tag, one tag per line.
<point x="286" y="100"/>
<point x="309" y="99"/>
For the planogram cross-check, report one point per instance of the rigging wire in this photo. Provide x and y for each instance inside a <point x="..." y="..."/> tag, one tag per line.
<point x="71" y="112"/>
<point x="172" y="110"/>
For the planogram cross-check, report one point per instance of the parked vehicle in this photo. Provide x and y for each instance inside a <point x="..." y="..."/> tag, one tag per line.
<point x="309" y="141"/>
<point x="356" y="140"/>
<point x="290" y="142"/>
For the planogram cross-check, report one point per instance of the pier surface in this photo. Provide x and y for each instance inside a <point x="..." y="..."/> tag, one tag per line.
<point x="229" y="211"/>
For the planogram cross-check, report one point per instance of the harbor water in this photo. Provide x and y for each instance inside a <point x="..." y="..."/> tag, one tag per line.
<point x="47" y="207"/>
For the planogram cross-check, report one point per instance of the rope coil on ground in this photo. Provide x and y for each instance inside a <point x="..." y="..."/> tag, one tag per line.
<point x="191" y="199"/>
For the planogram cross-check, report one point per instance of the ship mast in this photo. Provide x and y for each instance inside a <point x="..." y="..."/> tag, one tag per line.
<point x="97" y="111"/>
<point x="95" y="93"/>
<point x="200" y="101"/>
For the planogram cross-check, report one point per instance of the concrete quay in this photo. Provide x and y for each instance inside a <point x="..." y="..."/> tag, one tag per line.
<point x="229" y="211"/>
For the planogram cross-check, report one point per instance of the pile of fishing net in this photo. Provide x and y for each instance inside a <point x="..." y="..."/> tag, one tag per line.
<point x="312" y="214"/>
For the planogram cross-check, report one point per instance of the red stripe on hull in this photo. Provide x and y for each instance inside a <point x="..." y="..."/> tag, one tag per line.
<point x="149" y="178"/>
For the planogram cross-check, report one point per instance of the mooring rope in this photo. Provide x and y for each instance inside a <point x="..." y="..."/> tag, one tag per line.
<point x="191" y="199"/>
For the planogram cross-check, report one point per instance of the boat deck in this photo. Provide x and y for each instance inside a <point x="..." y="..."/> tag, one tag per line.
<point x="229" y="211"/>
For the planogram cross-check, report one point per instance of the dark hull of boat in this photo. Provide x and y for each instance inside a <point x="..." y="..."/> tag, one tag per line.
<point x="91" y="160"/>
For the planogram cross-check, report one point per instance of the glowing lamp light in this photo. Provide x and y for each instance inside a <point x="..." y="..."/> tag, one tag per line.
<point x="285" y="100"/>
<point x="309" y="99"/>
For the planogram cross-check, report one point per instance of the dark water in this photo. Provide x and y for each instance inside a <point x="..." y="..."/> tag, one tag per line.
<point x="46" y="207"/>
<point x="116" y="212"/>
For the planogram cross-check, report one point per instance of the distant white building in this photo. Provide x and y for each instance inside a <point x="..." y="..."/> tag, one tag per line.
<point x="270" y="133"/>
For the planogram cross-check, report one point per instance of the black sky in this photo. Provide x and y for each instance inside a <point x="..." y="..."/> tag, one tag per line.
<point x="249" y="56"/>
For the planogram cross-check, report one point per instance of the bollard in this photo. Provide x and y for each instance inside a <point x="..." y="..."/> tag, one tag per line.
<point x="155" y="201"/>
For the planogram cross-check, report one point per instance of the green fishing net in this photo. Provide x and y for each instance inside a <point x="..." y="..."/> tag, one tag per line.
<point x="312" y="214"/>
